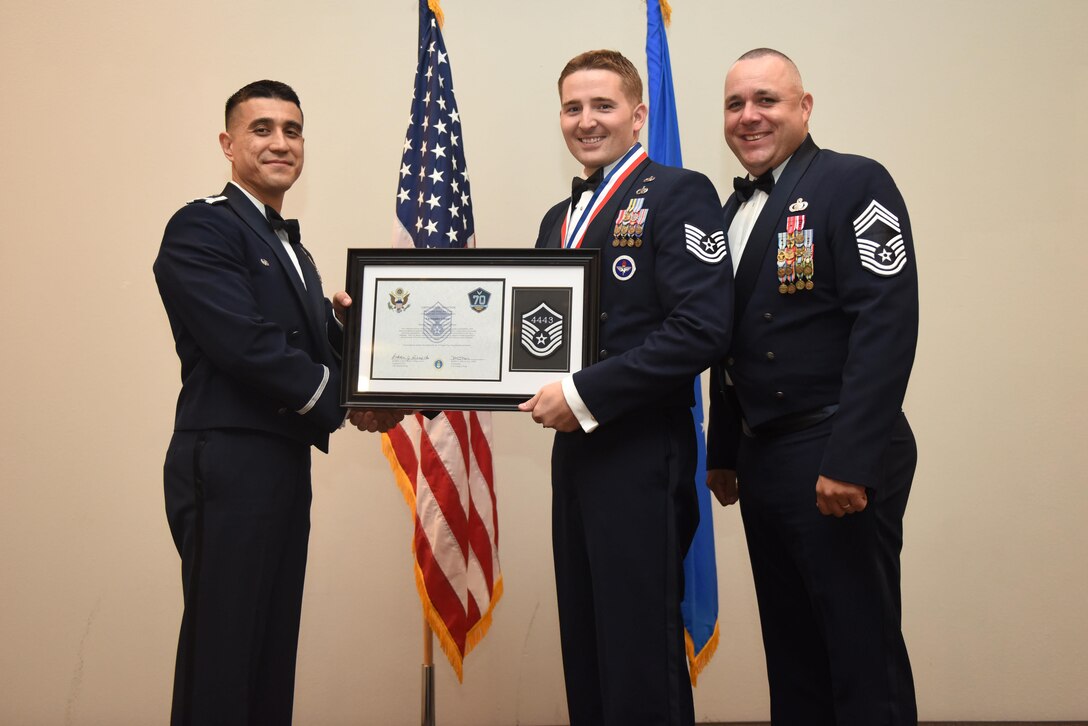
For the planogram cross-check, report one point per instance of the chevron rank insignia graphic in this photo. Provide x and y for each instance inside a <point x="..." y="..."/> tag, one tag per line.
<point x="880" y="241"/>
<point x="437" y="322"/>
<point x="711" y="248"/>
<point x="541" y="331"/>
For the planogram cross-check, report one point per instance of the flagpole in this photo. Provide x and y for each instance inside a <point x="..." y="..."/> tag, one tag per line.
<point x="427" y="704"/>
<point x="448" y="459"/>
<point x="699" y="608"/>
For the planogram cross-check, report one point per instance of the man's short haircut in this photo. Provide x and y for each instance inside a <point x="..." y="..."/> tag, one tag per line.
<point x="606" y="60"/>
<point x="261" y="89"/>
<point x="764" y="52"/>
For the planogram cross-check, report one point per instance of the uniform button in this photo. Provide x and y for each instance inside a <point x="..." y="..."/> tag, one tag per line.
<point x="779" y="395"/>
<point x="729" y="361"/>
<point x="294" y="333"/>
<point x="282" y="411"/>
<point x="768" y="316"/>
<point x="604" y="316"/>
<point x="603" y="354"/>
<point x="770" y="355"/>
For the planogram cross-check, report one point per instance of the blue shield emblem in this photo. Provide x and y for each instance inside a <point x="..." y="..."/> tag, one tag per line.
<point x="479" y="299"/>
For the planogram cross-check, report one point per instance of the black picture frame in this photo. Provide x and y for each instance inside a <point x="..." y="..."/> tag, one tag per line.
<point x="422" y="330"/>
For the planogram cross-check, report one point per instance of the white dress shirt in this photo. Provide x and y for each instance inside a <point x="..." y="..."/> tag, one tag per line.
<point x="281" y="233"/>
<point x="745" y="219"/>
<point x="570" y="392"/>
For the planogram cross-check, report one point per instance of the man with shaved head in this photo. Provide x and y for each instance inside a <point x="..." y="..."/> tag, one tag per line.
<point x="806" y="425"/>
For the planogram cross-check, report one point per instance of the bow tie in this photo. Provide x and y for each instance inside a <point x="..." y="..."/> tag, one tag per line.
<point x="745" y="187"/>
<point x="579" y="185"/>
<point x="294" y="236"/>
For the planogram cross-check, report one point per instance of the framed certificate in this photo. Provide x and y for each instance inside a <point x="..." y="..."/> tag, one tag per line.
<point x="466" y="328"/>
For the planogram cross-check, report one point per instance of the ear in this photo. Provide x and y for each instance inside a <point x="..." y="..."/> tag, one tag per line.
<point x="806" y="107"/>
<point x="226" y="144"/>
<point x="640" y="113"/>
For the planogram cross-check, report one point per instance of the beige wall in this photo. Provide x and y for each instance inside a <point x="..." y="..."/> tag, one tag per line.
<point x="110" y="113"/>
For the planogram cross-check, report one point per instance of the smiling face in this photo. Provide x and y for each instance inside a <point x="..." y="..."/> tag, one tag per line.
<point x="264" y="143"/>
<point x="766" y="112"/>
<point x="600" y="123"/>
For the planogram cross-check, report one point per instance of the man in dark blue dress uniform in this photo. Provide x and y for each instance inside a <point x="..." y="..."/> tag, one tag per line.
<point x="806" y="419"/>
<point x="624" y="506"/>
<point x="259" y="348"/>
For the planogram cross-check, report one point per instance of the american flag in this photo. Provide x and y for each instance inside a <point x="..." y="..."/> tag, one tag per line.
<point x="443" y="465"/>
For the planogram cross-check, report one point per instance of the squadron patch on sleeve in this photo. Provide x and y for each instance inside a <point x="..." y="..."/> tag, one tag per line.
<point x="711" y="248"/>
<point x="208" y="200"/>
<point x="880" y="241"/>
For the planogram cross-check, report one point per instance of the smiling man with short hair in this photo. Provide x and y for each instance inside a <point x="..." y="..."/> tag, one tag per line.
<point x="806" y="424"/>
<point x="259" y="347"/>
<point x="624" y="505"/>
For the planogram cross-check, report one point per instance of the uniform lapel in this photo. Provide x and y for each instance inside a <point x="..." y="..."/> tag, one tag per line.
<point x="730" y="210"/>
<point x="314" y="294"/>
<point x="763" y="231"/>
<point x="553" y="239"/>
<point x="308" y="296"/>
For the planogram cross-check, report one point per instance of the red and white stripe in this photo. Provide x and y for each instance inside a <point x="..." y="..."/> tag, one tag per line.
<point x="443" y="467"/>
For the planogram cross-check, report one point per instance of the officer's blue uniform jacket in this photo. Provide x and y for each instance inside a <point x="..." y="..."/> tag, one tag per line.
<point x="256" y="346"/>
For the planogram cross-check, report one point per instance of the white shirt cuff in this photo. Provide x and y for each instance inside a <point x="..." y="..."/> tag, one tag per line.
<point x="578" y="406"/>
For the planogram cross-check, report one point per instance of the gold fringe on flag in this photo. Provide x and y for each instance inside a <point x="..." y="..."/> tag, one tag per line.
<point x="666" y="12"/>
<point x="440" y="16"/>
<point x="438" y="626"/>
<point x="696" y="663"/>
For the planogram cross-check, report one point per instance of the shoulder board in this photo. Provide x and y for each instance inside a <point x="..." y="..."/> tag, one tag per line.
<point x="207" y="200"/>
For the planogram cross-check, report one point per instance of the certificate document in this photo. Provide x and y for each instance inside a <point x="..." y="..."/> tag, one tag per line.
<point x="437" y="329"/>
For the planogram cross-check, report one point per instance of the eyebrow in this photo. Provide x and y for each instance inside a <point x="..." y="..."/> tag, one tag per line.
<point x="757" y="93"/>
<point x="595" y="99"/>
<point x="268" y="121"/>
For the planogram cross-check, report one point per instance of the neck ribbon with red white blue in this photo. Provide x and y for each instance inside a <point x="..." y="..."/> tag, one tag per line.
<point x="634" y="156"/>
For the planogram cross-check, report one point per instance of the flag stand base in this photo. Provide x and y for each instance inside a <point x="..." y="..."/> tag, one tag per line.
<point x="426" y="706"/>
